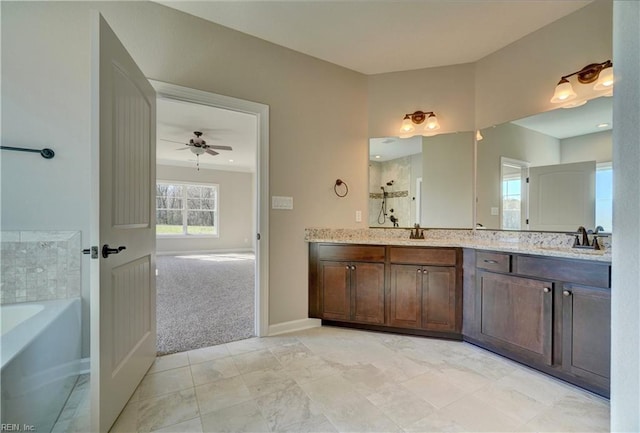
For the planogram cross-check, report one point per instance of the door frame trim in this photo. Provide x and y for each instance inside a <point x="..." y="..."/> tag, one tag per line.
<point x="261" y="111"/>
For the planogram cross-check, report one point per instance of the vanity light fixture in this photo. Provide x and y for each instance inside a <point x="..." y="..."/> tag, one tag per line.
<point x="602" y="72"/>
<point x="478" y="135"/>
<point x="418" y="117"/>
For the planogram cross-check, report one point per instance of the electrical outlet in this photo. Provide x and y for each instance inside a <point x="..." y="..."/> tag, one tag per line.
<point x="358" y="216"/>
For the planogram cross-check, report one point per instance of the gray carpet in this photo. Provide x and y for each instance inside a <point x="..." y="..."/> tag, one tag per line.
<point x="204" y="300"/>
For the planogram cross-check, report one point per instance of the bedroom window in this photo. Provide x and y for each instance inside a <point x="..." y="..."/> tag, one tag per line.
<point x="186" y="209"/>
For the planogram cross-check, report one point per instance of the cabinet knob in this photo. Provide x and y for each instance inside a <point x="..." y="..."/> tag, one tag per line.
<point x="546" y="290"/>
<point x="353" y="268"/>
<point x="425" y="272"/>
<point x="566" y="293"/>
<point x="348" y="267"/>
<point x="419" y="270"/>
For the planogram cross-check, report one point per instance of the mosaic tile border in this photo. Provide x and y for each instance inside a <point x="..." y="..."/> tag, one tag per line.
<point x="39" y="265"/>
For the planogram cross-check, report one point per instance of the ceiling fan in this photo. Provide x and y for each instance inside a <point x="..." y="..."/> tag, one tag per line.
<point x="199" y="146"/>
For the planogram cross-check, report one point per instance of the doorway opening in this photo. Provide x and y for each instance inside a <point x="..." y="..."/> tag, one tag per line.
<point x="513" y="193"/>
<point x="211" y="220"/>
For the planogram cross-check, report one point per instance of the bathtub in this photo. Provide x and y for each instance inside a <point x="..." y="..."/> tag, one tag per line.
<point x="40" y="350"/>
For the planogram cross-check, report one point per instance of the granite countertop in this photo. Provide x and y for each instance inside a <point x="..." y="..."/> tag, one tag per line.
<point x="537" y="243"/>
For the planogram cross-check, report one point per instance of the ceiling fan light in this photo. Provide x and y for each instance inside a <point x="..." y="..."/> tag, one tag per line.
<point x="197" y="150"/>
<point x="407" y="126"/>
<point x="564" y="92"/>
<point x="432" y="123"/>
<point x="605" y="79"/>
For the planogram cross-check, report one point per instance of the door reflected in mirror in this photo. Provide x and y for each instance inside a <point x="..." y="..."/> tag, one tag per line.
<point x="548" y="172"/>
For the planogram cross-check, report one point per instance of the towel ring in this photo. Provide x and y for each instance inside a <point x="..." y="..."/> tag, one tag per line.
<point x="340" y="182"/>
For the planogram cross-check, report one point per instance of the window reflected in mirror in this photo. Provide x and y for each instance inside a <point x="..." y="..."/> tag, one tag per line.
<point x="548" y="172"/>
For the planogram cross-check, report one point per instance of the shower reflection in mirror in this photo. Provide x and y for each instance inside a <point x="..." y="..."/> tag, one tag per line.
<point x="394" y="166"/>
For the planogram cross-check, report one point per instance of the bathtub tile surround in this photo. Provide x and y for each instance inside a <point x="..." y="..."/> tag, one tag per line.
<point x="539" y="243"/>
<point x="376" y="382"/>
<point x="39" y="265"/>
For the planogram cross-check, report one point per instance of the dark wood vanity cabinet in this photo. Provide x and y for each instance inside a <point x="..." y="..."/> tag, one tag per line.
<point x="424" y="289"/>
<point x="516" y="315"/>
<point x="350" y="283"/>
<point x="586" y="333"/>
<point x="411" y="289"/>
<point x="550" y="313"/>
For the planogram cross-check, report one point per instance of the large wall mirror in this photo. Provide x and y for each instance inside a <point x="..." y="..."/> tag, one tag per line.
<point x="548" y="172"/>
<point x="424" y="180"/>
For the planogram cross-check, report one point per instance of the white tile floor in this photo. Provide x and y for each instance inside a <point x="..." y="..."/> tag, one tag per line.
<point x="341" y="380"/>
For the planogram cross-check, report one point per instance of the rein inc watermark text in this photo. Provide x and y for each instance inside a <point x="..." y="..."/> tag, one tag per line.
<point x="17" y="427"/>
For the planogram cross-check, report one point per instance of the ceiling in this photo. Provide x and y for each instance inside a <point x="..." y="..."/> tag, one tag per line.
<point x="375" y="37"/>
<point x="367" y="36"/>
<point x="388" y="148"/>
<point x="176" y="122"/>
<point x="572" y="122"/>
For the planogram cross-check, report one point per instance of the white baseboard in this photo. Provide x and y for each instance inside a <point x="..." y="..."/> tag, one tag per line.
<point x="294" y="325"/>
<point x="190" y="253"/>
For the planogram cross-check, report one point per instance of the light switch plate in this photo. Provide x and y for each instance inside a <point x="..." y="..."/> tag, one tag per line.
<point x="278" y="202"/>
<point x="358" y="216"/>
<point x="494" y="211"/>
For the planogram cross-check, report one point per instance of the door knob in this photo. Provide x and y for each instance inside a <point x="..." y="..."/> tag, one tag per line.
<point x="106" y="250"/>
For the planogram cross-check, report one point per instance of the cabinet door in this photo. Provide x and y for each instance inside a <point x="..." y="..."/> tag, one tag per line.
<point x="334" y="288"/>
<point x="586" y="333"/>
<point x="516" y="315"/>
<point x="405" y="296"/>
<point x="367" y="292"/>
<point x="438" y="298"/>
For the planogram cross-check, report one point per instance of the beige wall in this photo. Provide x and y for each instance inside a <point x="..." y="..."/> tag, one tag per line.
<point x="447" y="91"/>
<point x="511" y="141"/>
<point x="236" y="217"/>
<point x="320" y="115"/>
<point x="598" y="146"/>
<point x="518" y="80"/>
<point x="318" y="120"/>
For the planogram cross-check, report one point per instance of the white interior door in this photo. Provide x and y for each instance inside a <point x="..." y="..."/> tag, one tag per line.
<point x="123" y="320"/>
<point x="562" y="197"/>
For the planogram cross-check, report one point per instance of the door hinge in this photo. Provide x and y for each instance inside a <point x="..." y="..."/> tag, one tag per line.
<point x="527" y="221"/>
<point x="527" y="180"/>
<point x="93" y="251"/>
<point x="258" y="236"/>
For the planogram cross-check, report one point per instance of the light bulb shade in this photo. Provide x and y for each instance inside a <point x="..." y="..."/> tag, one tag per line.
<point x="478" y="135"/>
<point x="407" y="126"/>
<point x="605" y="79"/>
<point x="432" y="123"/>
<point x="564" y="92"/>
<point x="197" y="150"/>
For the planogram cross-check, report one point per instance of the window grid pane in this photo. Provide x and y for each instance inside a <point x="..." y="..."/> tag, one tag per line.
<point x="186" y="209"/>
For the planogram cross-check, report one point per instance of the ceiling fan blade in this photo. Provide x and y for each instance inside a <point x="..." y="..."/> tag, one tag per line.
<point x="172" y="141"/>
<point x="211" y="152"/>
<point x="183" y="148"/>
<point x="214" y="146"/>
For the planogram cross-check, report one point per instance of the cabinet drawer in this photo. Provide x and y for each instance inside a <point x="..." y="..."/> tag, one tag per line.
<point x="423" y="256"/>
<point x="594" y="274"/>
<point x="365" y="253"/>
<point x="493" y="261"/>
